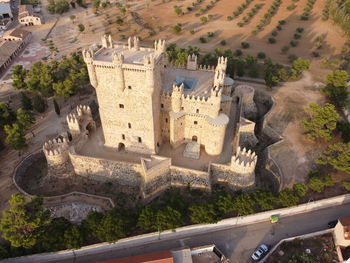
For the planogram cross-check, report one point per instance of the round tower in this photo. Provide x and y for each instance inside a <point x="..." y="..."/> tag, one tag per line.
<point x="57" y="156"/>
<point x="216" y="128"/>
<point x="176" y="96"/>
<point x="88" y="58"/>
<point x="215" y="101"/>
<point x="245" y="94"/>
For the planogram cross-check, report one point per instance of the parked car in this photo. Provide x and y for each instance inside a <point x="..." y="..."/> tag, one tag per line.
<point x="260" y="252"/>
<point x="332" y="224"/>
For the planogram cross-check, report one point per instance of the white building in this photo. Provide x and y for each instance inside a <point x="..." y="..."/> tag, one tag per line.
<point x="6" y="16"/>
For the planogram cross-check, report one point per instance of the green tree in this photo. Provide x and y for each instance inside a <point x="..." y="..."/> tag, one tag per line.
<point x="243" y="204"/>
<point x="224" y="203"/>
<point x="40" y="78"/>
<point x="299" y="65"/>
<point x="56" y="107"/>
<point x="287" y="198"/>
<point x="336" y="88"/>
<point x="203" y="214"/>
<point x="25" y="118"/>
<point x="73" y="237"/>
<point x="177" y="28"/>
<point x="6" y="114"/>
<point x="15" y="136"/>
<point x="178" y="10"/>
<point x="26" y="102"/>
<point x="22" y="223"/>
<point x="39" y="104"/>
<point x="266" y="200"/>
<point x="271" y="73"/>
<point x="19" y="74"/>
<point x="96" y="4"/>
<point x="338" y="156"/>
<point x="318" y="182"/>
<point x="321" y="121"/>
<point x="300" y="189"/>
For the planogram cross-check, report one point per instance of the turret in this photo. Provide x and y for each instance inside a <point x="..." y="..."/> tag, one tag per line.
<point x="136" y="43"/>
<point x="88" y="58"/>
<point x="244" y="161"/>
<point x="215" y="100"/>
<point x="192" y="62"/>
<point x="118" y="60"/>
<point x="222" y="64"/>
<point x="73" y="124"/>
<point x="56" y="151"/>
<point x="159" y="46"/>
<point x="219" y="78"/>
<point x="149" y="64"/>
<point x="176" y="97"/>
<point x="107" y="41"/>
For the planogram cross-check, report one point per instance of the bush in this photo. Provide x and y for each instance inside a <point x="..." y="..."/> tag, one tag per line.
<point x="300" y="189"/>
<point x="315" y="54"/>
<point x="177" y="28"/>
<point x="287" y="198"/>
<point x="346" y="185"/>
<point x="300" y="29"/>
<point x="39" y="104"/>
<point x="279" y="28"/>
<point x="261" y="55"/>
<point x="210" y="34"/>
<point x="284" y="49"/>
<point x="297" y="36"/>
<point x="240" y="24"/>
<point x="291" y="7"/>
<point x="282" y="22"/>
<point x="294" y="43"/>
<point x="292" y="57"/>
<point x="192" y="32"/>
<point x="272" y="40"/>
<point x="304" y="17"/>
<point x="245" y="45"/>
<point x="203" y="40"/>
<point x="318" y="182"/>
<point x="229" y="18"/>
<point x="238" y="52"/>
<point x="274" y="33"/>
<point x="81" y="27"/>
<point x="223" y="42"/>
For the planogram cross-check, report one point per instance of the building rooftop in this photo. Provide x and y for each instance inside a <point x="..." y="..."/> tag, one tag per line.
<point x="197" y="82"/>
<point x="16" y="32"/>
<point x="131" y="56"/>
<point x="5" y="8"/>
<point x="6" y="50"/>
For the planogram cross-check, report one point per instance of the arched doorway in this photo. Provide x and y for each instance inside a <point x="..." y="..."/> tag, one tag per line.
<point x="194" y="138"/>
<point x="121" y="147"/>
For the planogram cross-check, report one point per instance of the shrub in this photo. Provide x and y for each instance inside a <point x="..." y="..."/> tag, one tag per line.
<point x="261" y="55"/>
<point x="81" y="27"/>
<point x="297" y="36"/>
<point x="300" y="189"/>
<point x="279" y="28"/>
<point x="238" y="52"/>
<point x="245" y="45"/>
<point x="315" y="54"/>
<point x="210" y="34"/>
<point x="240" y="24"/>
<point x="223" y="42"/>
<point x="203" y="40"/>
<point x="39" y="104"/>
<point x="192" y="32"/>
<point x="318" y="182"/>
<point x="292" y="57"/>
<point x="274" y="33"/>
<point x="294" y="43"/>
<point x="282" y="22"/>
<point x="204" y="19"/>
<point x="177" y="28"/>
<point x="287" y="198"/>
<point x="284" y="49"/>
<point x="291" y="7"/>
<point x="304" y="17"/>
<point x="229" y="18"/>
<point x="346" y="185"/>
<point x="272" y="40"/>
<point x="300" y="29"/>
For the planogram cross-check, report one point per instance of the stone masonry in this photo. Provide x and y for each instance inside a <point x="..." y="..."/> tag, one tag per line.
<point x="145" y="102"/>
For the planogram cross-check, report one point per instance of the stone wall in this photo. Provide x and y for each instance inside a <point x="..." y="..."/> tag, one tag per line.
<point x="188" y="177"/>
<point x="125" y="173"/>
<point x="224" y="174"/>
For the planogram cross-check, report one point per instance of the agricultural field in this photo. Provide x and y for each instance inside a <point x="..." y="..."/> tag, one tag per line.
<point x="277" y="28"/>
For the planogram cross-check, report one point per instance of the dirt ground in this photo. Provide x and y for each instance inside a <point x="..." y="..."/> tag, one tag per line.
<point x="159" y="17"/>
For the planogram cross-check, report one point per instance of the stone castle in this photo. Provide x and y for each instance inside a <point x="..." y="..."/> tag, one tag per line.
<point x="161" y="125"/>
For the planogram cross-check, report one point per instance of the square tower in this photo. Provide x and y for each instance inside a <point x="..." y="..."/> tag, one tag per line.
<point x="127" y="79"/>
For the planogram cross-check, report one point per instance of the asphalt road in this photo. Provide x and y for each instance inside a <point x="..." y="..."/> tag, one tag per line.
<point x="237" y="242"/>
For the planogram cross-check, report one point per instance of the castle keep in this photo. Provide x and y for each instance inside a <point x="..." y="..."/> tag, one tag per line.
<point x="161" y="124"/>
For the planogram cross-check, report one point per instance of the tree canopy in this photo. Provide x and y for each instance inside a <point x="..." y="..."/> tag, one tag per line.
<point x="23" y="222"/>
<point x="337" y="89"/>
<point x="338" y="156"/>
<point x="321" y="121"/>
<point x="15" y="136"/>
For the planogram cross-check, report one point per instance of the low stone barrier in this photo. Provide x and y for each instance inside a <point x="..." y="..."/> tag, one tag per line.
<point x="105" y="202"/>
<point x="181" y="232"/>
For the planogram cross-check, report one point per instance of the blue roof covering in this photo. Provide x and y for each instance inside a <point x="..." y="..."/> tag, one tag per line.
<point x="189" y="83"/>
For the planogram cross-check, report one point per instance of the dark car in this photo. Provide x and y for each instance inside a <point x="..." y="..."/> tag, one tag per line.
<point x="332" y="224"/>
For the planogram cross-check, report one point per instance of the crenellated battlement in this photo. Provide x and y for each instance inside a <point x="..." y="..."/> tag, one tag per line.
<point x="84" y="110"/>
<point x="193" y="98"/>
<point x="222" y="64"/>
<point x="244" y="161"/>
<point x="159" y="46"/>
<point x="56" y="146"/>
<point x="107" y="41"/>
<point x="219" y="78"/>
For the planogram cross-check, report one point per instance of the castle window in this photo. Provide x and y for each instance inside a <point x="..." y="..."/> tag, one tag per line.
<point x="158" y="144"/>
<point x="162" y="105"/>
<point x="197" y="110"/>
<point x="129" y="87"/>
<point x="139" y="139"/>
<point x="129" y="125"/>
<point x="182" y="108"/>
<point x="123" y="136"/>
<point x="195" y="122"/>
<point x="166" y="120"/>
<point x="221" y="110"/>
<point x="121" y="106"/>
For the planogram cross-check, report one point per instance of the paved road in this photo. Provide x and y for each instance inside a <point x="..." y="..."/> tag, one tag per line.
<point x="237" y="242"/>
